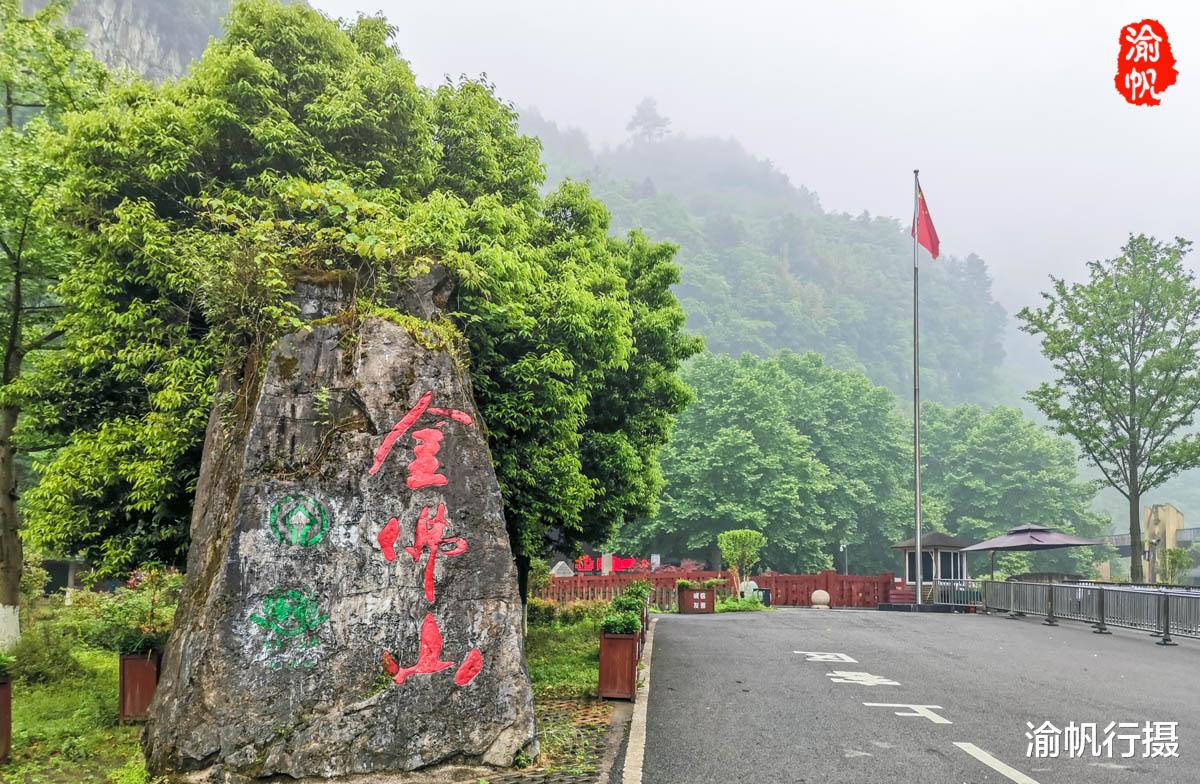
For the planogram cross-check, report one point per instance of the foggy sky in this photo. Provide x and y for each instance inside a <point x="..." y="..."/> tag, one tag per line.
<point x="1028" y="155"/>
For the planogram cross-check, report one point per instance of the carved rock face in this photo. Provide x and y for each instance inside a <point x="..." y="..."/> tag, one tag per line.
<point x="351" y="603"/>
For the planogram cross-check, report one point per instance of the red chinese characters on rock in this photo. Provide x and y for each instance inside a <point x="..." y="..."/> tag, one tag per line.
<point x="429" y="660"/>
<point x="422" y="471"/>
<point x="1145" y="63"/>
<point x="429" y="536"/>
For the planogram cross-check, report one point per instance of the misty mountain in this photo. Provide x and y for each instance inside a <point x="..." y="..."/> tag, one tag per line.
<point x="766" y="268"/>
<point x="154" y="38"/>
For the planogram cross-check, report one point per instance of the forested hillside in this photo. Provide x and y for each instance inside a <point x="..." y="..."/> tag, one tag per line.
<point x="765" y="268"/>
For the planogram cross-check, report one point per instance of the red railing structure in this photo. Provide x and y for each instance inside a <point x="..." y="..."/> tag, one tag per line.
<point x="793" y="590"/>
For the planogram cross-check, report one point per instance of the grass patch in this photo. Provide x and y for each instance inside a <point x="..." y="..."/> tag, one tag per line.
<point x="564" y="659"/>
<point x="567" y="747"/>
<point x="66" y="732"/>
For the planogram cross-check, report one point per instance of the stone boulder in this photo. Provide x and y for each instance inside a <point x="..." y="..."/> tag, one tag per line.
<point x="351" y="602"/>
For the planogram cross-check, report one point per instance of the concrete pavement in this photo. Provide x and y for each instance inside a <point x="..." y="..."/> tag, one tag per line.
<point x="730" y="700"/>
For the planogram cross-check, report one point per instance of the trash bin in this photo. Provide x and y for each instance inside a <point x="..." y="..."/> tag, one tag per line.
<point x="764" y="596"/>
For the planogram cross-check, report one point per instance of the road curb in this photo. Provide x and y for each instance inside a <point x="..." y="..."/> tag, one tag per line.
<point x="636" y="747"/>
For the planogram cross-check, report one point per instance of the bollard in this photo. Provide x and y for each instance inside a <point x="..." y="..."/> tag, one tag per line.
<point x="1165" y="613"/>
<point x="1100" y="627"/>
<point x="1050" y="607"/>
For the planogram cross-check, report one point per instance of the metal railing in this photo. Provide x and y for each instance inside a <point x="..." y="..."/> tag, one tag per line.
<point x="958" y="593"/>
<point x="1163" y="612"/>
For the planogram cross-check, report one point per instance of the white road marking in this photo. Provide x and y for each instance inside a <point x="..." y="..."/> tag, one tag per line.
<point x="925" y="711"/>
<point x="819" y="656"/>
<point x="1011" y="773"/>
<point x="860" y="678"/>
<point x="1110" y="765"/>
<point x="852" y="753"/>
<point x="883" y="745"/>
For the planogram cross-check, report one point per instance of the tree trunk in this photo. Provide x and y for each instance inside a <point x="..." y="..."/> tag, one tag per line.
<point x="10" y="540"/>
<point x="1135" y="537"/>
<point x="10" y="524"/>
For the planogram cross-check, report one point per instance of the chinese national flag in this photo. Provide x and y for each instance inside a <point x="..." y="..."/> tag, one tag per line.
<point x="923" y="227"/>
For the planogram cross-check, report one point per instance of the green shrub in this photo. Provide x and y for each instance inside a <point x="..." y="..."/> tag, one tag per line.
<point x="686" y="584"/>
<point x="43" y="655"/>
<point x="624" y="604"/>
<point x="541" y="611"/>
<point x="734" y="604"/>
<point x="713" y="582"/>
<point x="134" y="618"/>
<point x="581" y="610"/>
<point x="640" y="588"/>
<point x="622" y="623"/>
<point x="6" y="664"/>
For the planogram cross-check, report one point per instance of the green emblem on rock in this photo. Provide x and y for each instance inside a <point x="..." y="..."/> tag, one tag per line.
<point x="299" y="520"/>
<point x="289" y="613"/>
<point x="291" y="619"/>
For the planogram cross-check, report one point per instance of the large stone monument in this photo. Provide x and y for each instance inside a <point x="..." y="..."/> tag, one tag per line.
<point x="351" y="601"/>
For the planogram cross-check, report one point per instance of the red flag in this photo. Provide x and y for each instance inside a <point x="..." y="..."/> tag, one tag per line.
<point x="923" y="227"/>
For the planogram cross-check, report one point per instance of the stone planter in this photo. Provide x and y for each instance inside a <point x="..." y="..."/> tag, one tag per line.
<point x="5" y="717"/>
<point x="618" y="666"/>
<point x="693" y="601"/>
<point x="138" y="680"/>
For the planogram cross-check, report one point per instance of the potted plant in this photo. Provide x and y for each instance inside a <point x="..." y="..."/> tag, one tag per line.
<point x="643" y="590"/>
<point x="6" y="663"/>
<point x="694" y="598"/>
<point x="628" y="603"/>
<point x="145" y="611"/>
<point x="619" y="633"/>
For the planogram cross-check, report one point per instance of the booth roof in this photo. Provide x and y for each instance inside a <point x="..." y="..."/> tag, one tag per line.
<point x="931" y="540"/>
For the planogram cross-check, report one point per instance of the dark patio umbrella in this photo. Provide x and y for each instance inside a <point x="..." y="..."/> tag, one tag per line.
<point x="1027" y="538"/>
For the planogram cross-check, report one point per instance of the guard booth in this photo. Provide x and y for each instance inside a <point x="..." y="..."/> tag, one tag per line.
<point x="941" y="559"/>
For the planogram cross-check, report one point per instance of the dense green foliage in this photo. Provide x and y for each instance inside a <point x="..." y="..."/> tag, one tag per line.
<point x="1125" y="346"/>
<point x="301" y="146"/>
<point x="764" y="268"/>
<point x="43" y="75"/>
<point x="813" y="457"/>
<point x="986" y="472"/>
<point x="805" y="454"/>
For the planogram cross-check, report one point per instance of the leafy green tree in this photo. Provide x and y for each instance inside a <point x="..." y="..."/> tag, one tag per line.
<point x="990" y="471"/>
<point x="296" y="146"/>
<point x="736" y="460"/>
<point x="44" y="73"/>
<point x="865" y="446"/>
<point x="741" y="549"/>
<point x="1174" y="563"/>
<point x="1125" y="346"/>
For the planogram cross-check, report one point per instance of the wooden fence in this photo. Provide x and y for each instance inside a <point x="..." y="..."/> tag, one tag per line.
<point x="793" y="590"/>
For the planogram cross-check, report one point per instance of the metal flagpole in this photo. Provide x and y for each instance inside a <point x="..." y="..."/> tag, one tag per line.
<point x="916" y="385"/>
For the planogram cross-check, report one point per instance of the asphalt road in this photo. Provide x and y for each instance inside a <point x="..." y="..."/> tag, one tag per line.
<point x="730" y="701"/>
